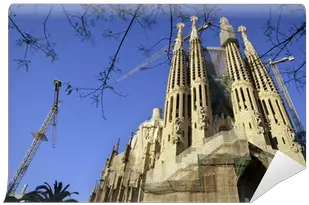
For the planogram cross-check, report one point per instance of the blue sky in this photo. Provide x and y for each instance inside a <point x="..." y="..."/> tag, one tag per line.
<point x="84" y="138"/>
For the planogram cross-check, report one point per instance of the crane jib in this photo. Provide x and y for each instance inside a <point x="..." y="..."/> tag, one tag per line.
<point x="159" y="54"/>
<point x="38" y="138"/>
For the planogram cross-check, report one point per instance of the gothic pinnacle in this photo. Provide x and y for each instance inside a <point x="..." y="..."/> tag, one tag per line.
<point x="180" y="27"/>
<point x="249" y="49"/>
<point x="179" y="39"/>
<point x="224" y="21"/>
<point x="117" y="145"/>
<point x="227" y="33"/>
<point x="194" y="34"/>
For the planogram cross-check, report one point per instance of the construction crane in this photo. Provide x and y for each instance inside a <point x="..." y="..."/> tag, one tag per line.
<point x="38" y="138"/>
<point x="159" y="54"/>
<point x="299" y="129"/>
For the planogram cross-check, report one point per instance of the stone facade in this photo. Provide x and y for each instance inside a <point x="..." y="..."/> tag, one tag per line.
<point x="191" y="155"/>
<point x="277" y="122"/>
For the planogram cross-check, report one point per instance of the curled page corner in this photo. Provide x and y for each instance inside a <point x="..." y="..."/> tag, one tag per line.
<point x="281" y="168"/>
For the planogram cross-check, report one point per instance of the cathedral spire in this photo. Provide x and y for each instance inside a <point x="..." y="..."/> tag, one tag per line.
<point x="176" y="122"/>
<point x="201" y="114"/>
<point x="249" y="49"/>
<point x="179" y="39"/>
<point x="117" y="145"/>
<point x="227" y="33"/>
<point x="278" y="124"/>
<point x="245" y="104"/>
<point x="194" y="33"/>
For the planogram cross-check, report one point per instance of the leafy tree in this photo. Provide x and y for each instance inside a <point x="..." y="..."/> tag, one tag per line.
<point x="45" y="193"/>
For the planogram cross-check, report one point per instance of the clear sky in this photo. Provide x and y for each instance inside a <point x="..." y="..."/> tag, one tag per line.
<point x="84" y="138"/>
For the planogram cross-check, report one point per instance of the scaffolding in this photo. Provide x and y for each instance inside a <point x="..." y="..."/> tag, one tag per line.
<point x="218" y="81"/>
<point x="227" y="157"/>
<point x="215" y="61"/>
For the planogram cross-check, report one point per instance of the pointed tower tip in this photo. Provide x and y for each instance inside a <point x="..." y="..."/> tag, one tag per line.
<point x="227" y="33"/>
<point x="117" y="145"/>
<point x="194" y="34"/>
<point x="179" y="39"/>
<point x="224" y="20"/>
<point x="249" y="49"/>
<point x="180" y="25"/>
<point x="242" y="29"/>
<point x="194" y="18"/>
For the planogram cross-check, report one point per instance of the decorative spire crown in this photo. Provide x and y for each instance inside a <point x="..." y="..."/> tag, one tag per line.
<point x="194" y="34"/>
<point x="117" y="145"/>
<point x="194" y="19"/>
<point x="180" y="27"/>
<point x="224" y="21"/>
<point x="249" y="49"/>
<point x="179" y="39"/>
<point x="243" y="30"/>
<point x="227" y="32"/>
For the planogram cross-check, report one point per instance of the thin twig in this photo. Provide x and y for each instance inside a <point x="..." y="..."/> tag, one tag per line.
<point x="171" y="32"/>
<point x="108" y="71"/>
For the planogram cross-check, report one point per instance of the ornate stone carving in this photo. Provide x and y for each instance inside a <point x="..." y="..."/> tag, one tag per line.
<point x="295" y="147"/>
<point x="147" y="134"/>
<point x="268" y="94"/>
<point x="237" y="84"/>
<point x="181" y="88"/>
<point x="259" y="124"/>
<point x="178" y="131"/>
<point x="289" y="130"/>
<point x="239" y="107"/>
<point x="258" y="118"/>
<point x="204" y="118"/>
<point x="157" y="155"/>
<point x="260" y="130"/>
<point x="246" y="107"/>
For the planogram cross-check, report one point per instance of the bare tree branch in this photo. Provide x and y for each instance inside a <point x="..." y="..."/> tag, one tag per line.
<point x="177" y="12"/>
<point x="171" y="33"/>
<point x="98" y="93"/>
<point x="285" y="42"/>
<point x="107" y="33"/>
<point x="145" y="17"/>
<point x="33" y="42"/>
<point x="281" y="37"/>
<point x="81" y="29"/>
<point x="147" y="51"/>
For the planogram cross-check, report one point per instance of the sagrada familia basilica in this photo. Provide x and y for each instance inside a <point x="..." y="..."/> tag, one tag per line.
<point x="197" y="154"/>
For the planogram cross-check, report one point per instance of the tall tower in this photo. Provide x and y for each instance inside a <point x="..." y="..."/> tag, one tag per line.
<point x="246" y="111"/>
<point x="201" y="106"/>
<point x="176" y="123"/>
<point x="273" y="110"/>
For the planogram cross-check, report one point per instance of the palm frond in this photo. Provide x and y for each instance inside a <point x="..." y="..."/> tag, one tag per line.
<point x="44" y="193"/>
<point x="70" y="200"/>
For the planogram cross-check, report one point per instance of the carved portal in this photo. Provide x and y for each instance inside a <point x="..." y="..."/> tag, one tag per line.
<point x="178" y="131"/>
<point x="204" y="118"/>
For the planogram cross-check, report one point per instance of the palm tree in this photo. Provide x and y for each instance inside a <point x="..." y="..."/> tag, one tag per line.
<point x="44" y="193"/>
